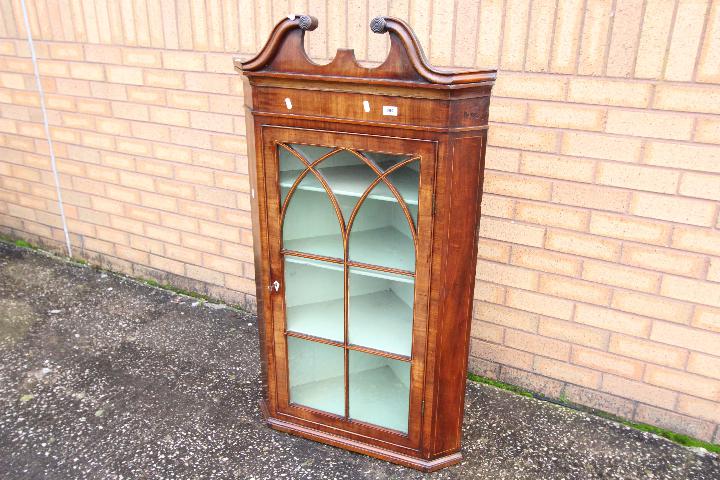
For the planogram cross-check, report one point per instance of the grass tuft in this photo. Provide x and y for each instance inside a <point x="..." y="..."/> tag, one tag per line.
<point x="679" y="438"/>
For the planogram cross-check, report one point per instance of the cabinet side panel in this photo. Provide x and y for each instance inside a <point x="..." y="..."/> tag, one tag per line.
<point x="464" y="186"/>
<point x="260" y="244"/>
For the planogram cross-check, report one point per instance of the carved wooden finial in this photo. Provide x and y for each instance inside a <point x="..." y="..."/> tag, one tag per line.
<point x="378" y="25"/>
<point x="306" y="22"/>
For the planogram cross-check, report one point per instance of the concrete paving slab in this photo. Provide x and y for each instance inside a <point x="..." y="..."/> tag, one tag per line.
<point x="102" y="377"/>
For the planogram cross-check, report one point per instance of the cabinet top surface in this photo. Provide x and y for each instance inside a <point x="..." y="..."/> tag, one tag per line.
<point x="284" y="57"/>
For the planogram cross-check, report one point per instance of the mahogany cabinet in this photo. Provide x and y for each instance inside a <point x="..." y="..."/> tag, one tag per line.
<point x="366" y="188"/>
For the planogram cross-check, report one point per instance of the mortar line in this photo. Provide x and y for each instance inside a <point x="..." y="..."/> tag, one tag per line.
<point x="46" y="126"/>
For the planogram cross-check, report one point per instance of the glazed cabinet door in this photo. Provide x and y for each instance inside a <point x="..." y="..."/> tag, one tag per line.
<point x="349" y="223"/>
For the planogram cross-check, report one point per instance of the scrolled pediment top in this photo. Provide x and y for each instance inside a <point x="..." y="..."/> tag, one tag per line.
<point x="284" y="54"/>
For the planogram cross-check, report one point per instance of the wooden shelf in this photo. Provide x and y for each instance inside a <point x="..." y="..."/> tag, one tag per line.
<point x="377" y="397"/>
<point x="384" y="247"/>
<point x="354" y="179"/>
<point x="380" y="321"/>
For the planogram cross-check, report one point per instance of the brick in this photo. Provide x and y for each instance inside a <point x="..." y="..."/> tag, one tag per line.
<point x="663" y="260"/>
<point x="167" y="265"/>
<point x="606" y="362"/>
<point x="87" y="71"/>
<point x="600" y="401"/>
<point x="130" y="111"/>
<point x="552" y="215"/>
<point x="674" y="209"/>
<point x="508" y="231"/>
<point x="113" y="126"/>
<point x="625" y="35"/>
<point x="500" y="354"/>
<point x="620" y="276"/>
<point x="494" y="206"/>
<point x="154" y="168"/>
<point x="490" y="35"/>
<point x="146" y="95"/>
<point x="486" y="332"/>
<point x="700" y="186"/>
<point x="517" y="186"/>
<point x="612" y="320"/>
<point x="683" y="382"/>
<point x="698" y="408"/>
<point x="574" y="289"/>
<point x="106" y="90"/>
<point x="706" y="318"/>
<point x="648" y="351"/>
<point x="211" y="121"/>
<point x="494" y="251"/>
<point x="219" y="231"/>
<point x="687" y="337"/>
<point x="522" y="137"/>
<point x="580" y="144"/>
<point x="650" y="124"/>
<point x="591" y="196"/>
<point x="690" y="290"/>
<point x="573" y="333"/>
<point x="515" y="35"/>
<point x="528" y="86"/>
<point x="654" y="37"/>
<point x="508" y="110"/>
<point x="640" y="391"/>
<point x="186" y="61"/>
<point x="169" y="116"/>
<point x="566" y="116"/>
<point x="175" y="189"/>
<point x="102" y="53"/>
<point x="507" y="275"/>
<point x="488" y="292"/>
<point x="685" y="39"/>
<point x="706" y="365"/>
<point x="594" y="37"/>
<point x="674" y="422"/>
<point x="538" y="259"/>
<point x="508" y="317"/>
<point x="188" y="100"/>
<point x="553" y="166"/>
<point x="141" y="57"/>
<point x="696" y="240"/>
<point x="94" y="107"/>
<point x="629" y="228"/>
<point x="714" y="270"/>
<point x="585" y="245"/>
<point x="708" y="69"/>
<point x="540" y="35"/>
<point x="531" y="381"/>
<point x="66" y="51"/>
<point x="688" y="98"/>
<point x="539" y="303"/>
<point x="164" y="79"/>
<point x="652" y="306"/>
<point x="637" y="177"/>
<point x="567" y="372"/>
<point x="127" y="75"/>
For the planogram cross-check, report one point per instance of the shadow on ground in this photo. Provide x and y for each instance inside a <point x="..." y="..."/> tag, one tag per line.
<point x="105" y="378"/>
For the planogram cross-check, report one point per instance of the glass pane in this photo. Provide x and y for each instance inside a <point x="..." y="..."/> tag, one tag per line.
<point x="379" y="390"/>
<point x="311" y="224"/>
<point x="348" y="177"/>
<point x="406" y="180"/>
<point x="384" y="160"/>
<point x="316" y="375"/>
<point x="290" y="168"/>
<point x="381" y="235"/>
<point x="314" y="298"/>
<point x="380" y="311"/>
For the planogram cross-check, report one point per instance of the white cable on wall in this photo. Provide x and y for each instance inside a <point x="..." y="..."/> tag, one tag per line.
<point x="47" y="127"/>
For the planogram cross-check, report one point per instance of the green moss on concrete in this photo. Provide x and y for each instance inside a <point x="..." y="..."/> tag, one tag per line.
<point x="685" y="440"/>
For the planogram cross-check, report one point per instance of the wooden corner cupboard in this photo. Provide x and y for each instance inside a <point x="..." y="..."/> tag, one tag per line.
<point x="366" y="188"/>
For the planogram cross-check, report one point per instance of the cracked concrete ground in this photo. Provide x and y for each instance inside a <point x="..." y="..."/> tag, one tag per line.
<point x="105" y="378"/>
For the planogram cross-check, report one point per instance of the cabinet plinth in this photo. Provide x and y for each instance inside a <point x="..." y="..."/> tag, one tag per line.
<point x="366" y="189"/>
